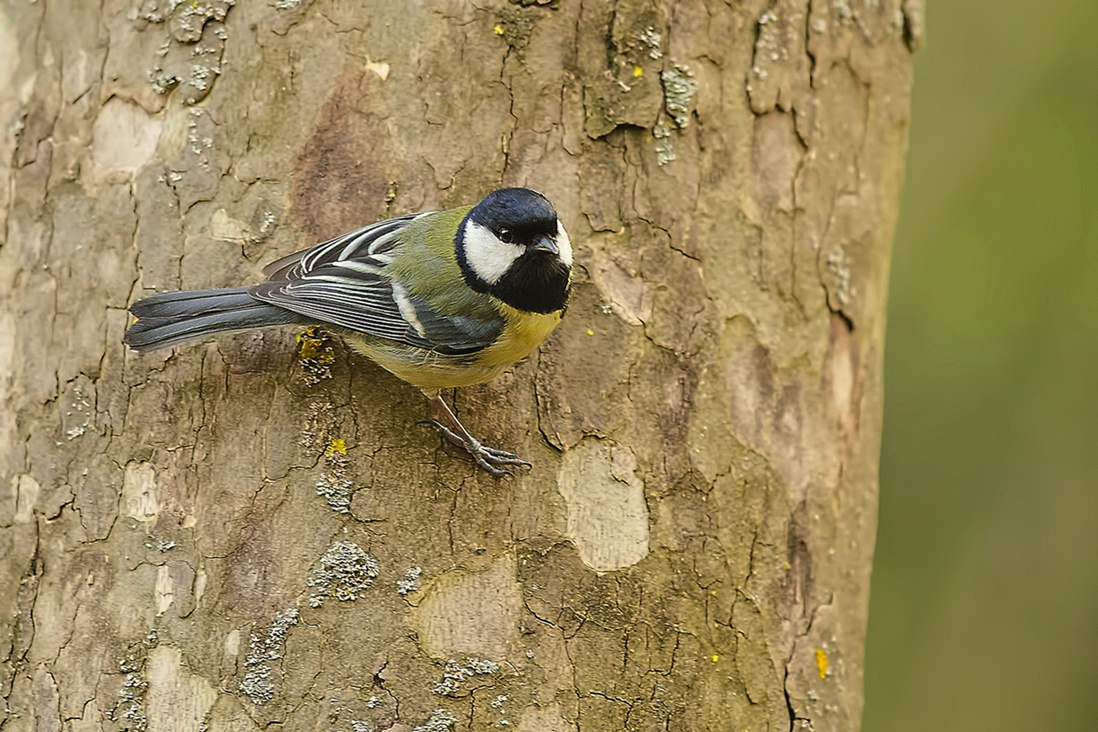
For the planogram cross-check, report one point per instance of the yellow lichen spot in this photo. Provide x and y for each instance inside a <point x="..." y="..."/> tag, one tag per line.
<point x="821" y="662"/>
<point x="308" y="342"/>
<point x="638" y="72"/>
<point x="498" y="30"/>
<point x="714" y="658"/>
<point x="316" y="355"/>
<point x="336" y="446"/>
<point x="590" y="332"/>
<point x="313" y="346"/>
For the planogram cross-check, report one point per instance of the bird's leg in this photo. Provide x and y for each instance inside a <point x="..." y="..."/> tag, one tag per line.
<point x="492" y="460"/>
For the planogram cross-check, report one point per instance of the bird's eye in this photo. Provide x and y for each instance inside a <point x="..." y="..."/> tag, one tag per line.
<point x="506" y="236"/>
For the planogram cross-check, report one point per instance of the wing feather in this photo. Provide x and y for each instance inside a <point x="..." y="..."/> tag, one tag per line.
<point x="347" y="281"/>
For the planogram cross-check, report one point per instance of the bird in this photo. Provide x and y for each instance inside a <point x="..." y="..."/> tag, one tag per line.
<point x="440" y="299"/>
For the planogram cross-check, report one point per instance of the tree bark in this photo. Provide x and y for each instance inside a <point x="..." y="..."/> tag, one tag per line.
<point x="254" y="531"/>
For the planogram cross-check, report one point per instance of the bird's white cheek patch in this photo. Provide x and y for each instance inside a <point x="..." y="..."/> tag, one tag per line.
<point x="564" y="244"/>
<point x="487" y="256"/>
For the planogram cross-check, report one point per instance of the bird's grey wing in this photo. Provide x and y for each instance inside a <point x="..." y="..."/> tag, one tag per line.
<point x="344" y="282"/>
<point x="377" y="238"/>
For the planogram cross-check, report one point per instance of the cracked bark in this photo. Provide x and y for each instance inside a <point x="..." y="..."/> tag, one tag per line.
<point x="692" y="549"/>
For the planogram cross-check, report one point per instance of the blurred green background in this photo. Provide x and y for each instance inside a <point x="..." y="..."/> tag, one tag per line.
<point x="984" y="609"/>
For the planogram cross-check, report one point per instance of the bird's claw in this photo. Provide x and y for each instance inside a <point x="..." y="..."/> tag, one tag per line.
<point x="493" y="460"/>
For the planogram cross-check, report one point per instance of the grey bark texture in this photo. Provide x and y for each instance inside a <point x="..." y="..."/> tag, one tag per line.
<point x="253" y="532"/>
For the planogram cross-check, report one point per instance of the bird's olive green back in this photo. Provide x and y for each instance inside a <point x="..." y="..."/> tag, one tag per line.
<point x="425" y="264"/>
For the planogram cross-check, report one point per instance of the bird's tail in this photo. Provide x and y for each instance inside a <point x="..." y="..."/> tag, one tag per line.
<point x="173" y="317"/>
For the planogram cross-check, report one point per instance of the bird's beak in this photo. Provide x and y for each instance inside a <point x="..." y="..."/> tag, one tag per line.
<point x="545" y="244"/>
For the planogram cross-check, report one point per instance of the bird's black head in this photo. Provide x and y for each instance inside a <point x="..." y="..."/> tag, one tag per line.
<point x="512" y="246"/>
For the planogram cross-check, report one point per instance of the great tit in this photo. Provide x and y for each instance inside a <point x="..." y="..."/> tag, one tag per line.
<point x="440" y="299"/>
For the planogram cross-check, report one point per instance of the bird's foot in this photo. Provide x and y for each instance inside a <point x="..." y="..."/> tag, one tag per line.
<point x="494" y="461"/>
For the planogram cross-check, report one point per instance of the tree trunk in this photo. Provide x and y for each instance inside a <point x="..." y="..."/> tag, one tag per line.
<point x="254" y="530"/>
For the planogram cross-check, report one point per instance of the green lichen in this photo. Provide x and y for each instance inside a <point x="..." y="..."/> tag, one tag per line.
<point x="665" y="148"/>
<point x="457" y="673"/>
<point x="333" y="484"/>
<point x="345" y="571"/>
<point x="257" y="683"/>
<point x="440" y="721"/>
<point x="679" y="89"/>
<point x="129" y="709"/>
<point x="410" y="581"/>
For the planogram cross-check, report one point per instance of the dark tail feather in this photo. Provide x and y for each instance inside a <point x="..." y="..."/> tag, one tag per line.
<point x="173" y="317"/>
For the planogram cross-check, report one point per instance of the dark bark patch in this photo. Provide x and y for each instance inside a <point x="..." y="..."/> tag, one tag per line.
<point x="340" y="177"/>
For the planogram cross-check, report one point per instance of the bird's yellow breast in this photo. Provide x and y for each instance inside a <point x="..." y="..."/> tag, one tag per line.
<point x="522" y="333"/>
